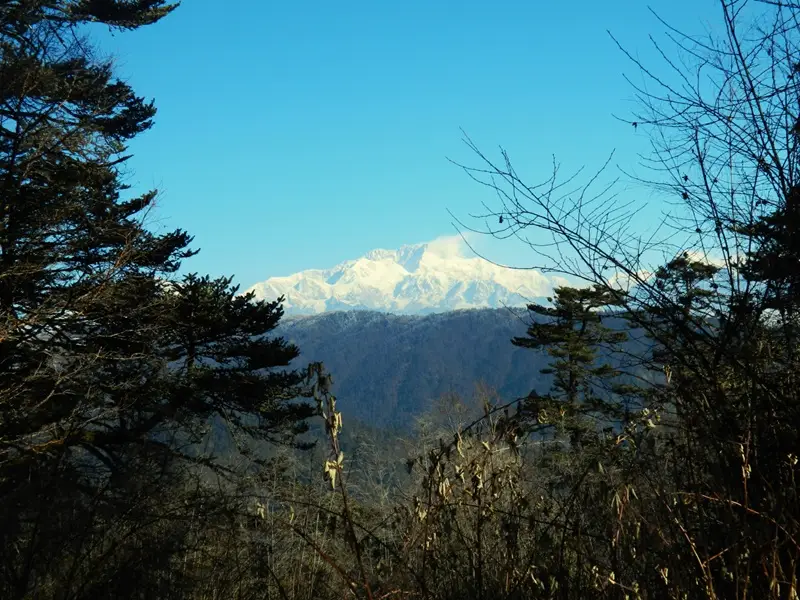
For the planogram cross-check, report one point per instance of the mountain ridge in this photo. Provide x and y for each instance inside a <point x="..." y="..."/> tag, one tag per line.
<point x="389" y="369"/>
<point x="426" y="278"/>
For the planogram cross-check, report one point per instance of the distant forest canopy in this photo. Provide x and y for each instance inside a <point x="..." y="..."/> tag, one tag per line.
<point x="162" y="437"/>
<point x="390" y="369"/>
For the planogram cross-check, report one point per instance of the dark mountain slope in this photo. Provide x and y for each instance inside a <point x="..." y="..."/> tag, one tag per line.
<point x="389" y="368"/>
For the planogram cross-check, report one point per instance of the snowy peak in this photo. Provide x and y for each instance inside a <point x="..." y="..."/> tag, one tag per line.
<point x="409" y="257"/>
<point x="415" y="279"/>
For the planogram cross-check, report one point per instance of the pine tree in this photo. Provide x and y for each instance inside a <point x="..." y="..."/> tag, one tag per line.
<point x="571" y="331"/>
<point x="111" y="367"/>
<point x="717" y="497"/>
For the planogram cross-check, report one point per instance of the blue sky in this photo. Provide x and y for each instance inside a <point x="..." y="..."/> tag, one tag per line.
<point x="295" y="135"/>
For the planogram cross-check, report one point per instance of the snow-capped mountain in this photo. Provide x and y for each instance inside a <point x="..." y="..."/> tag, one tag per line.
<point x="415" y="279"/>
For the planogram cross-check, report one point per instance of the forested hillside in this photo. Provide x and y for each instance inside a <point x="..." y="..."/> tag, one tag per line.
<point x="164" y="436"/>
<point x="389" y="369"/>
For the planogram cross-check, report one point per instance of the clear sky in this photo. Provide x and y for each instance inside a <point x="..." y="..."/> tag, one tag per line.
<point x="298" y="134"/>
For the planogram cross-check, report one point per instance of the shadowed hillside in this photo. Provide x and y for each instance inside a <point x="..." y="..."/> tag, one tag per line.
<point x="388" y="368"/>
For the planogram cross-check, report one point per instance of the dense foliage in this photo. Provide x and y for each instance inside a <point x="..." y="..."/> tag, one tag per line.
<point x="110" y="366"/>
<point x="661" y="463"/>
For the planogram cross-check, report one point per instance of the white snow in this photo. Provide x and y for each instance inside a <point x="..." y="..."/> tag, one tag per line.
<point x="415" y="279"/>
